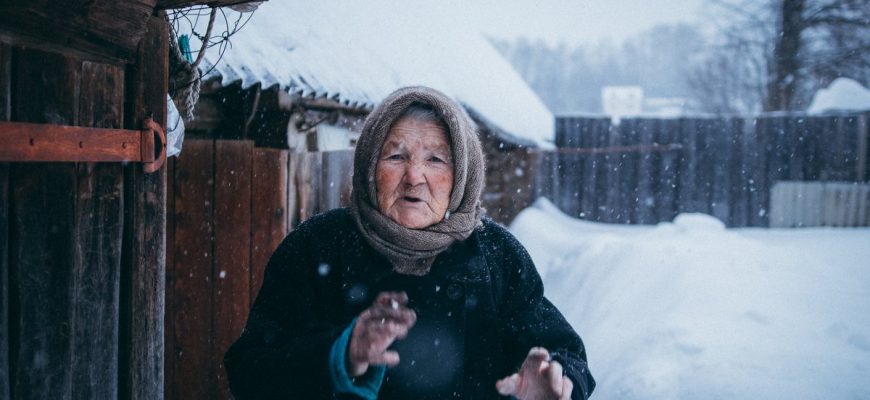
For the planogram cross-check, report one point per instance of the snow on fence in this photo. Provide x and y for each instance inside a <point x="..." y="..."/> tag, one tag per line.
<point x="805" y="204"/>
<point x="646" y="170"/>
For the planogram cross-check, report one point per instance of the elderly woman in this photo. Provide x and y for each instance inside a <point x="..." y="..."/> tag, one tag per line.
<point x="410" y="293"/>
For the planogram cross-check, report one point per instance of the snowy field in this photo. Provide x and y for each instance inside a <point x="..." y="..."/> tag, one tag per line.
<point x="691" y="310"/>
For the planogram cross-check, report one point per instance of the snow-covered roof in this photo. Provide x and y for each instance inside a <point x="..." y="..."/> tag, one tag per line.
<point x="843" y="94"/>
<point x="359" y="52"/>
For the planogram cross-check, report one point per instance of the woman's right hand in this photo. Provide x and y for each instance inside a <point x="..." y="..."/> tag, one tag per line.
<point x="376" y="329"/>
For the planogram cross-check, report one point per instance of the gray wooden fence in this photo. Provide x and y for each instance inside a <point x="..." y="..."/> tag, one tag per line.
<point x="645" y="170"/>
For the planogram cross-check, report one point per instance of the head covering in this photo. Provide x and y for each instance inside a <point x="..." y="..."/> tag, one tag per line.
<point x="412" y="251"/>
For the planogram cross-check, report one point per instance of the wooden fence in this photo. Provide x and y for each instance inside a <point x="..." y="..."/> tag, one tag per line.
<point x="645" y="171"/>
<point x="231" y="204"/>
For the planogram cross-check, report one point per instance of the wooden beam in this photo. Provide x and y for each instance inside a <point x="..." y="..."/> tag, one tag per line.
<point x="144" y="246"/>
<point x="100" y="30"/>
<point x="167" y="4"/>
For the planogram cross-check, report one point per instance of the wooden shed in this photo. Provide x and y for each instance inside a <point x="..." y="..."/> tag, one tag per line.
<point x="82" y="222"/>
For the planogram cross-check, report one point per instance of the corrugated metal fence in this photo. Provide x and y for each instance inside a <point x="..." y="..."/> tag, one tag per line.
<point x="644" y="171"/>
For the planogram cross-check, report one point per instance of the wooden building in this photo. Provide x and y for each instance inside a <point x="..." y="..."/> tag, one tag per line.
<point x="82" y="224"/>
<point x="272" y="144"/>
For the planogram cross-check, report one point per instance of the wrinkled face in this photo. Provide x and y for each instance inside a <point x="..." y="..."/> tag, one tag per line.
<point x="414" y="175"/>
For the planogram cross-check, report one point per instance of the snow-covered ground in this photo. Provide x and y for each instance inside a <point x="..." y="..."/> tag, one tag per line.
<point x="691" y="310"/>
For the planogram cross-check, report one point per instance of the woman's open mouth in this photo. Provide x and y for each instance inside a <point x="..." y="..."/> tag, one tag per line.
<point x="411" y="199"/>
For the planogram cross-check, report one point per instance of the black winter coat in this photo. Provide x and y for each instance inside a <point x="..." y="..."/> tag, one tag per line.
<point x="479" y="311"/>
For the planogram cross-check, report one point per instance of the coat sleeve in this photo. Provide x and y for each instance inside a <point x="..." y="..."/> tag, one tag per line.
<point x="532" y="320"/>
<point x="284" y="349"/>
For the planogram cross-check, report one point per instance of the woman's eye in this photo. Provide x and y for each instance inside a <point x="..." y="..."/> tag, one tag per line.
<point x="436" y="159"/>
<point x="394" y="157"/>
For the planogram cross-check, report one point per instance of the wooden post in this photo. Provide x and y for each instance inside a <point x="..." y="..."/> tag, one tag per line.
<point x="144" y="274"/>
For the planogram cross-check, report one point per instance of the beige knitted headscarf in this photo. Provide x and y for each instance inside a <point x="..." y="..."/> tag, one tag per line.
<point x="412" y="251"/>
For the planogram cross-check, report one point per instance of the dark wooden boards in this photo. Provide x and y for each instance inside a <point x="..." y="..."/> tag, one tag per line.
<point x="231" y="274"/>
<point x="144" y="248"/>
<point x="43" y="234"/>
<point x="192" y="306"/>
<point x="652" y="169"/>
<point x="269" y="223"/>
<point x="107" y="31"/>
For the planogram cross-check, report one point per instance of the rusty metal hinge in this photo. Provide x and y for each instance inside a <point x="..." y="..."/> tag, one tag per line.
<point x="28" y="142"/>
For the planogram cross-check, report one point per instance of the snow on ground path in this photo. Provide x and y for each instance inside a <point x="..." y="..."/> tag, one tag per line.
<point x="690" y="310"/>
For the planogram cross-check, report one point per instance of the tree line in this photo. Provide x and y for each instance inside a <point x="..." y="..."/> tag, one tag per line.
<point x="755" y="56"/>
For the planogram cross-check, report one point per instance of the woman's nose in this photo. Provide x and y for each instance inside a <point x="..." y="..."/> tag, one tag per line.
<point x="414" y="174"/>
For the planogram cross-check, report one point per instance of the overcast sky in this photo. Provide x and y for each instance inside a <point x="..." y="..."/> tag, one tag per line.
<point x="571" y="21"/>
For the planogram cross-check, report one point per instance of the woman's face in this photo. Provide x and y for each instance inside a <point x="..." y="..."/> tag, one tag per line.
<point x="414" y="175"/>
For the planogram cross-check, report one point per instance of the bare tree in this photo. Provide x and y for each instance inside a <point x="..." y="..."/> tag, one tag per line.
<point x="773" y="55"/>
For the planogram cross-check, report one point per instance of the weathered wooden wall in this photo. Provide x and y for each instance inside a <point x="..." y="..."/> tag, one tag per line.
<point x="644" y="171"/>
<point x="68" y="282"/>
<point x="229" y="203"/>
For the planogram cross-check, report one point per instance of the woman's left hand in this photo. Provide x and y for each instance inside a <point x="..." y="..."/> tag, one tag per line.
<point x="540" y="378"/>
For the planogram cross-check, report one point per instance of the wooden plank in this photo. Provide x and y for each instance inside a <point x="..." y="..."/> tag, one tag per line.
<point x="738" y="174"/>
<point x="628" y="173"/>
<point x="268" y="210"/>
<point x="611" y="162"/>
<point x="705" y="176"/>
<point x="308" y="184"/>
<point x="98" y="240"/>
<point x="335" y="179"/>
<point x="292" y="208"/>
<point x="43" y="207"/>
<point x="777" y="153"/>
<point x="667" y="134"/>
<point x="719" y="138"/>
<point x="853" y="143"/>
<point x="647" y="173"/>
<point x="594" y="174"/>
<point x="5" y="82"/>
<point x="687" y="163"/>
<point x="584" y="179"/>
<point x="863" y="132"/>
<point x="5" y="295"/>
<point x="143" y="286"/>
<point x="756" y="169"/>
<point x="171" y="276"/>
<point x="43" y="199"/>
<point x="191" y="310"/>
<point x="798" y="131"/>
<point x="231" y="275"/>
<point x="100" y="30"/>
